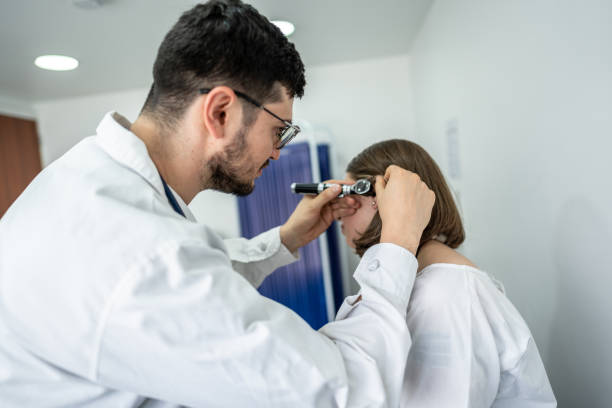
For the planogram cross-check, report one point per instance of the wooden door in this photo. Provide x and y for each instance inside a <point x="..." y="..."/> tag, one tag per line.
<point x="19" y="158"/>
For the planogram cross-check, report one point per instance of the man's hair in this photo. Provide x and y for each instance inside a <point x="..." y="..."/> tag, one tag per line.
<point x="221" y="42"/>
<point x="374" y="160"/>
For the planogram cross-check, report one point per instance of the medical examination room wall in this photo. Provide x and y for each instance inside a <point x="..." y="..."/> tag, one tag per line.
<point x="516" y="97"/>
<point x="16" y="108"/>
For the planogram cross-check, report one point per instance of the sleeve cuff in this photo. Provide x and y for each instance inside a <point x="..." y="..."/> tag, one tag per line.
<point x="259" y="248"/>
<point x="258" y="257"/>
<point x="387" y="270"/>
<point x="283" y="254"/>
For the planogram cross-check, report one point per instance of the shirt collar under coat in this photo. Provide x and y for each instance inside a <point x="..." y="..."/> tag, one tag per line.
<point x="116" y="139"/>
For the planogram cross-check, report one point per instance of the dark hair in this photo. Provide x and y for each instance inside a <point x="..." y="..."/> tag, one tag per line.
<point x="222" y="42"/>
<point x="445" y="218"/>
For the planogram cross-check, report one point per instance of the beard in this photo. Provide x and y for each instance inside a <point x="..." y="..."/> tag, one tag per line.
<point x="225" y="168"/>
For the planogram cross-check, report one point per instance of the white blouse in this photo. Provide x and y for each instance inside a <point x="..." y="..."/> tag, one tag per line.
<point x="471" y="347"/>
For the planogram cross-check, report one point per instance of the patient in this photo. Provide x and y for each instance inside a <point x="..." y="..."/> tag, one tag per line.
<point x="471" y="347"/>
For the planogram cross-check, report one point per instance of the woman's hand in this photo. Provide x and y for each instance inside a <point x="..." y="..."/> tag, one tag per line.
<point x="404" y="205"/>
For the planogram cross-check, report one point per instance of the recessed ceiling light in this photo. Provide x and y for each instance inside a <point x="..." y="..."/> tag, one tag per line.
<point x="286" y="27"/>
<point x="88" y="4"/>
<point x="56" y="62"/>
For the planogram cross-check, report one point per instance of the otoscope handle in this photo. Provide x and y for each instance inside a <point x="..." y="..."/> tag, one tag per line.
<point x="308" y="188"/>
<point x="317" y="188"/>
<point x="362" y="187"/>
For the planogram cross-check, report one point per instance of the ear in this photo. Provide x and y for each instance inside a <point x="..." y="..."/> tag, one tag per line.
<point x="220" y="103"/>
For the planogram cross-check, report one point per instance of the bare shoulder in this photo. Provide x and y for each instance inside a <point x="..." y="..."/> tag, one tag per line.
<point x="433" y="252"/>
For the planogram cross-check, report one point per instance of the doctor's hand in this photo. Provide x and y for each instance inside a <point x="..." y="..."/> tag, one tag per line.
<point x="404" y="205"/>
<point x="345" y="206"/>
<point x="311" y="218"/>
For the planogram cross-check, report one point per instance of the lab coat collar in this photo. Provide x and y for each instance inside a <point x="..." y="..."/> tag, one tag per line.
<point x="116" y="139"/>
<point x="188" y="214"/>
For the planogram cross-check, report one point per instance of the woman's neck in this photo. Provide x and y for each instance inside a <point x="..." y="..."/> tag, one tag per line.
<point x="432" y="252"/>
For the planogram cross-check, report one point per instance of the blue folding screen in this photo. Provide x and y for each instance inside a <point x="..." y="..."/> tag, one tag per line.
<point x="332" y="234"/>
<point x="300" y="285"/>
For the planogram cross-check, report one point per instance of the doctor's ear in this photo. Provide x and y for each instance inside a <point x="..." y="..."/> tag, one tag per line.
<point x="218" y="103"/>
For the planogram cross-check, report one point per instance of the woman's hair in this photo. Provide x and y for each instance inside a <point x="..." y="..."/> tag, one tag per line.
<point x="445" y="220"/>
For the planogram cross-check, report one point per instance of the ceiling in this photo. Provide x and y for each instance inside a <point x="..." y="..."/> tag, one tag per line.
<point x="116" y="44"/>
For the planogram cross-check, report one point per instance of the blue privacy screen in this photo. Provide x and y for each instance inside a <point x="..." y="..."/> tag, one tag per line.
<point x="300" y="285"/>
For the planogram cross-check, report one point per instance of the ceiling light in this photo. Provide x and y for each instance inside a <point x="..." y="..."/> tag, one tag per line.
<point x="286" y="27"/>
<point x="87" y="4"/>
<point x="56" y="62"/>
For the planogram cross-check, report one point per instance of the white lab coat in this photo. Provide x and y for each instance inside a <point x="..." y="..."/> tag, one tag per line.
<point x="109" y="298"/>
<point x="471" y="347"/>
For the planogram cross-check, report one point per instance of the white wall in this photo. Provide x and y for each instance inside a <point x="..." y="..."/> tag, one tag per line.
<point x="529" y="84"/>
<point x="63" y="123"/>
<point x="16" y="108"/>
<point x="359" y="102"/>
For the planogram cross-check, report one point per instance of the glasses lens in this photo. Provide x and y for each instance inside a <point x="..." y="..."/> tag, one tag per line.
<point x="287" y="134"/>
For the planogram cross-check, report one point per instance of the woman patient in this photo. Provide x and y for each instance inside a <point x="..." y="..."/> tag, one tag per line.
<point x="471" y="347"/>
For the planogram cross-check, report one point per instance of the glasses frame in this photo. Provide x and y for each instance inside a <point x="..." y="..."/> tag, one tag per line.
<point x="285" y="135"/>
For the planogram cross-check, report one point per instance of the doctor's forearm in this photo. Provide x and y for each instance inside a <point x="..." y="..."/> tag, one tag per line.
<point x="371" y="331"/>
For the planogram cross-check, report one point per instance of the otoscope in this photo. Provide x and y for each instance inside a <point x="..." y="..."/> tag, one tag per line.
<point x="362" y="187"/>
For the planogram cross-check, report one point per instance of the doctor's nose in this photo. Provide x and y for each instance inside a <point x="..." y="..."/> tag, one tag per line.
<point x="275" y="153"/>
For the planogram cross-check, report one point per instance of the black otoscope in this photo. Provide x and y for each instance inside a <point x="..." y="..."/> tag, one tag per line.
<point x="362" y="187"/>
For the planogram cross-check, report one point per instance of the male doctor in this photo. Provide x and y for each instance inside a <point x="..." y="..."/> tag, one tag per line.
<point x="112" y="295"/>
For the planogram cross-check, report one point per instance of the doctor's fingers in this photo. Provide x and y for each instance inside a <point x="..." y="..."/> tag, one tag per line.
<point x="345" y="202"/>
<point x="344" y="208"/>
<point x="339" y="214"/>
<point x="325" y="197"/>
<point x="336" y="181"/>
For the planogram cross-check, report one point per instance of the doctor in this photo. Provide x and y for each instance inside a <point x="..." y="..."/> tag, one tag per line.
<point x="112" y="295"/>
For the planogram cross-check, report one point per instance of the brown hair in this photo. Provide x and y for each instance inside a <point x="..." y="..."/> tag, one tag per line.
<point x="374" y="160"/>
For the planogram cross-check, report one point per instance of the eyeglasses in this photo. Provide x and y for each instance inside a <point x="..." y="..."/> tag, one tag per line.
<point x="285" y="135"/>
